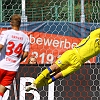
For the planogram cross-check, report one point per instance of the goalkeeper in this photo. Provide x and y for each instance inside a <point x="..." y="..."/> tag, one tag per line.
<point x="70" y="61"/>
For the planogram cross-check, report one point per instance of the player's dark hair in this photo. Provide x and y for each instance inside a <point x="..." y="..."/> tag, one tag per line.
<point x="16" y="20"/>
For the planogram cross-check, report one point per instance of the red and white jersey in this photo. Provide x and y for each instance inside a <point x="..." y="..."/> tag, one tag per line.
<point x="15" y="42"/>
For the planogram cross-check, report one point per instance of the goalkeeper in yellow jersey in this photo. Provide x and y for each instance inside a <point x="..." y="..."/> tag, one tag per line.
<point x="70" y="61"/>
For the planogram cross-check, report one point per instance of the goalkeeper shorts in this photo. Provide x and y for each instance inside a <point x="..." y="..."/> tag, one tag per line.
<point x="69" y="62"/>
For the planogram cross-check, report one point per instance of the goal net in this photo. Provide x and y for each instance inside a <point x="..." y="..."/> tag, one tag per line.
<point x="53" y="27"/>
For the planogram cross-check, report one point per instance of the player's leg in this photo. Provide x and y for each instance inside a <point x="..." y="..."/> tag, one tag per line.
<point x="59" y="74"/>
<point x="6" y="81"/>
<point x="46" y="73"/>
<point x="64" y="73"/>
<point x="1" y="87"/>
<point x="51" y="78"/>
<point x="42" y="79"/>
<point x="55" y="77"/>
<point x="59" y="65"/>
<point x="47" y="80"/>
<point x="2" y="91"/>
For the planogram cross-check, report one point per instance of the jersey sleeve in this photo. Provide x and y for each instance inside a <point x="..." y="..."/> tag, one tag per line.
<point x="3" y="37"/>
<point x="27" y="45"/>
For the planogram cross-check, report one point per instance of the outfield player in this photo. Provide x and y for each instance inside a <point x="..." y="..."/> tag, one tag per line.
<point x="70" y="61"/>
<point x="15" y="45"/>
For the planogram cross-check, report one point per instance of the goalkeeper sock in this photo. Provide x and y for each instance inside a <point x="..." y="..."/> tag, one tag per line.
<point x="43" y="75"/>
<point x="42" y="83"/>
<point x="45" y="82"/>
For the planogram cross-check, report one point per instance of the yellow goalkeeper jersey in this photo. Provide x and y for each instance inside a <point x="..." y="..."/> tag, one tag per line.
<point x="90" y="46"/>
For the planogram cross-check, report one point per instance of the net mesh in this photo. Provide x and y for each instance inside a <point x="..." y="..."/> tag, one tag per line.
<point x="84" y="86"/>
<point x="54" y="10"/>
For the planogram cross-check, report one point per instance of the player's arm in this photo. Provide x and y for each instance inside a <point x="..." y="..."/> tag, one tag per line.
<point x="3" y="38"/>
<point x="26" y="49"/>
<point x="24" y="55"/>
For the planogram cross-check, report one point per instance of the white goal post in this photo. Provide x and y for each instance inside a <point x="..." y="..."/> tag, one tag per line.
<point x="24" y="17"/>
